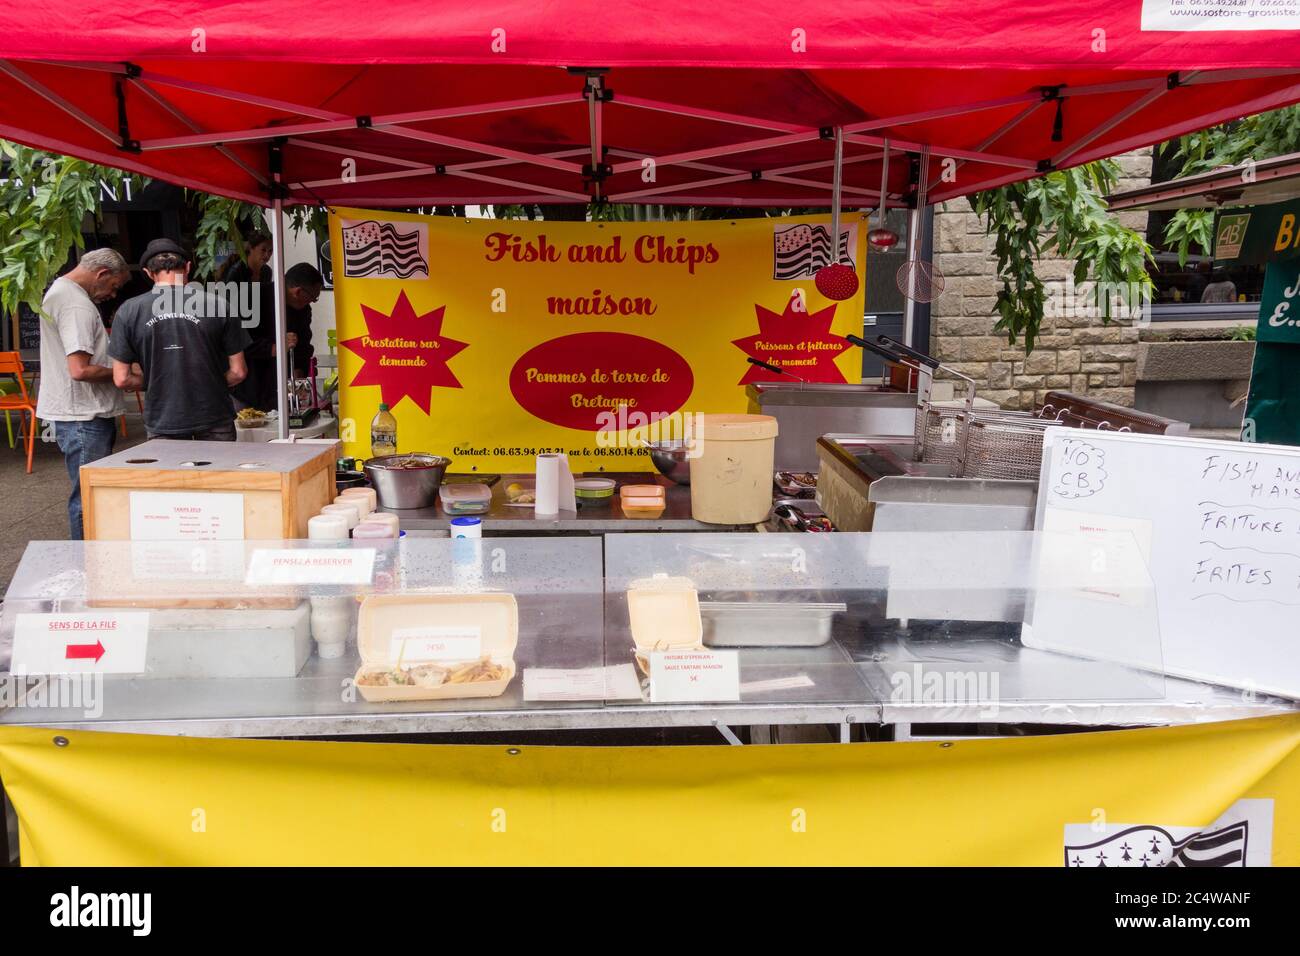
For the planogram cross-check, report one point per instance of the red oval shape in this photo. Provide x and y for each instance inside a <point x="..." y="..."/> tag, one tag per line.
<point x="580" y="380"/>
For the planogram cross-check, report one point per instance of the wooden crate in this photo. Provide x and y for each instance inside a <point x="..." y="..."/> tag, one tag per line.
<point x="282" y="485"/>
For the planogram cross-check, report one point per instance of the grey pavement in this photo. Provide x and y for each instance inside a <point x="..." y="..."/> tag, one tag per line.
<point x="35" y="507"/>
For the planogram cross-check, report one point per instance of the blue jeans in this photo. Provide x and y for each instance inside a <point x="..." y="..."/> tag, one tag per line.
<point x="82" y="443"/>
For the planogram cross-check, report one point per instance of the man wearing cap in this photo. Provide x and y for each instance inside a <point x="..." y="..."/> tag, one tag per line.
<point x="190" y="351"/>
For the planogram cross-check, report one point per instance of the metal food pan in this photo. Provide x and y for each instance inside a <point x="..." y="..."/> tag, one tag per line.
<point x="768" y="623"/>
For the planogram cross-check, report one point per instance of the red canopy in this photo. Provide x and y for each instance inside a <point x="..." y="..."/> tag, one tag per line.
<point x="419" y="102"/>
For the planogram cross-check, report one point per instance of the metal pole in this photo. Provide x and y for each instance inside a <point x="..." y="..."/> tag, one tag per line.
<point x="836" y="182"/>
<point x="281" y="322"/>
<point x="913" y="247"/>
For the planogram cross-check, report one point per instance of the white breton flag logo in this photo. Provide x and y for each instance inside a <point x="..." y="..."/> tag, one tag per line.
<point x="1242" y="836"/>
<point x="799" y="251"/>
<point x="385" y="250"/>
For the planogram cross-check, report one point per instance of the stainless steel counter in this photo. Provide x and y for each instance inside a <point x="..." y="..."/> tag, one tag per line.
<point x="591" y="517"/>
<point x="855" y="680"/>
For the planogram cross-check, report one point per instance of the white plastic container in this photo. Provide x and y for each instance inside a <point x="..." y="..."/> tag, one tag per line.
<point x="467" y="527"/>
<point x="331" y="625"/>
<point x="386" y="518"/>
<point x="731" y="476"/>
<point x="350" y="511"/>
<point x="367" y="496"/>
<point x="327" y="527"/>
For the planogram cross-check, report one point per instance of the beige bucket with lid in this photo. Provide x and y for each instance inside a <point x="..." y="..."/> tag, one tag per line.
<point x="731" y="477"/>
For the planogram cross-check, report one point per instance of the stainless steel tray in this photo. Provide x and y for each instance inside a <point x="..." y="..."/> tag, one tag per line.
<point x="768" y="623"/>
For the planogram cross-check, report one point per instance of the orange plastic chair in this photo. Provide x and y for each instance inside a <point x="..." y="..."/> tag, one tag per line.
<point x="121" y="420"/>
<point x="11" y="363"/>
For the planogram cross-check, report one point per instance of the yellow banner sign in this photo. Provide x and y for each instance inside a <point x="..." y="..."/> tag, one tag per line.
<point x="494" y="341"/>
<point x="1224" y="794"/>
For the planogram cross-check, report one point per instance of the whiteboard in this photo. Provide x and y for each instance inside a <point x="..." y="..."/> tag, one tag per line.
<point x="1219" y="526"/>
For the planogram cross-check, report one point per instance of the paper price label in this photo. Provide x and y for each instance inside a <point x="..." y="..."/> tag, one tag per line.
<point x="269" y="566"/>
<point x="106" y="642"/>
<point x="615" y="682"/>
<point x="415" y="644"/>
<point x="186" y="516"/>
<point x="686" y="676"/>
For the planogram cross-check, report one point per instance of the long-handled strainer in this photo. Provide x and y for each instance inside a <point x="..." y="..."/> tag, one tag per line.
<point x="919" y="279"/>
<point x="837" y="280"/>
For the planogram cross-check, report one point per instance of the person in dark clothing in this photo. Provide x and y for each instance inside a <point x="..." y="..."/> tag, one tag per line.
<point x="302" y="287"/>
<point x="252" y="270"/>
<point x="190" y="350"/>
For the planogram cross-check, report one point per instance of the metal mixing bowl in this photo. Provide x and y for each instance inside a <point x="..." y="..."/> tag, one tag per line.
<point x="670" y="457"/>
<point x="413" y="486"/>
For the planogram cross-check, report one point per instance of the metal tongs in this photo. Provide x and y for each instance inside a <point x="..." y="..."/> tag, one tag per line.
<point x="778" y="370"/>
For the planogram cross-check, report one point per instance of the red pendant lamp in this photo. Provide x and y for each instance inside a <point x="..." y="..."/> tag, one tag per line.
<point x="882" y="237"/>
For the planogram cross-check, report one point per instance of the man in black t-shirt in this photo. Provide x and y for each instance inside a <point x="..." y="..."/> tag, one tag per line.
<point x="189" y="345"/>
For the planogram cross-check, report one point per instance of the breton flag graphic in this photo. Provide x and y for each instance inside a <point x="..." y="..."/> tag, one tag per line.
<point x="799" y="251"/>
<point x="1156" y="846"/>
<point x="380" y="250"/>
<point x="1242" y="836"/>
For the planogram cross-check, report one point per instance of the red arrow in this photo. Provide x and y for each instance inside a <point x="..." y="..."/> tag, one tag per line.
<point x="85" y="651"/>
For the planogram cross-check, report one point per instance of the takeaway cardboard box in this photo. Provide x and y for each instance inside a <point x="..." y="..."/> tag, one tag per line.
<point x="664" y="614"/>
<point x="457" y="633"/>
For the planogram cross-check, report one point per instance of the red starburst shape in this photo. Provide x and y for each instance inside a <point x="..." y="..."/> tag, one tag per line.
<point x="405" y="354"/>
<point x="801" y="342"/>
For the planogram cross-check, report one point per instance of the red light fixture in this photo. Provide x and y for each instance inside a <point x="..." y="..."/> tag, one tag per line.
<point x="882" y="238"/>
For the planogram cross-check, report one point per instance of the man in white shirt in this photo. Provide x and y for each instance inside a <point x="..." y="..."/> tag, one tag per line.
<point x="77" y="391"/>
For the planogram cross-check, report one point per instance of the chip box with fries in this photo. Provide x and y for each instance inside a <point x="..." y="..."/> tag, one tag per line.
<point x="436" y="646"/>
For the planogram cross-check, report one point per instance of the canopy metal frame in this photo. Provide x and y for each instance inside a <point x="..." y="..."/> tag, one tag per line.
<point x="592" y="92"/>
<point x="880" y="136"/>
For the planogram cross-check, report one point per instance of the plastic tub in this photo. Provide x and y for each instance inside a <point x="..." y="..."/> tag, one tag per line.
<point x="642" y="501"/>
<point x="373" y="531"/>
<point x="467" y="527"/>
<point x="366" y="495"/>
<point x="593" y="491"/>
<point x="731" y="476"/>
<point x="385" y="518"/>
<point x="350" y="511"/>
<point x="465" y="498"/>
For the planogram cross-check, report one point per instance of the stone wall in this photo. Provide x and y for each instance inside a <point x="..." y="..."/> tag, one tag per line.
<point x="1077" y="354"/>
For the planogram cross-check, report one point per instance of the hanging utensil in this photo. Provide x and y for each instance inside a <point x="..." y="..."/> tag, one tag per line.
<point x="917" y="278"/>
<point x="837" y="281"/>
<point x="882" y="237"/>
<point x="771" y="367"/>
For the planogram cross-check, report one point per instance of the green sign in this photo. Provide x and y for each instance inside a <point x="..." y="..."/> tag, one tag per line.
<point x="1259" y="235"/>
<point x="1273" y="406"/>
<point x="1279" y="305"/>
<point x="1230" y="234"/>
